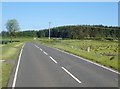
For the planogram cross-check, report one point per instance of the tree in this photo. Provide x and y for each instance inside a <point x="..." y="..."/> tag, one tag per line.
<point x="12" y="27"/>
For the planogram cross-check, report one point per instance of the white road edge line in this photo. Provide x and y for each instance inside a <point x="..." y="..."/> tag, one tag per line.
<point x="53" y="60"/>
<point x="71" y="75"/>
<point x="17" y="68"/>
<point x="89" y="61"/>
<point x="45" y="52"/>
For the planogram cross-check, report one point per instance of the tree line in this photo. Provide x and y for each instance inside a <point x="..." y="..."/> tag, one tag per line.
<point x="72" y="32"/>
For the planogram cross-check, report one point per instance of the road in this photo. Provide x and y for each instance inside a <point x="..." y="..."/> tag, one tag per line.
<point x="41" y="66"/>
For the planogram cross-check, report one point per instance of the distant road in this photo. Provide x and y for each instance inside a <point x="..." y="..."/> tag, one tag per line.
<point x="41" y="66"/>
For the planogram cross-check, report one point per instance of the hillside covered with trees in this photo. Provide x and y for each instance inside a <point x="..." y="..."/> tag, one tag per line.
<point x="72" y="32"/>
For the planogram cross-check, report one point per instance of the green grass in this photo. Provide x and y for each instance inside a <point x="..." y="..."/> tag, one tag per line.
<point x="10" y="53"/>
<point x="21" y="39"/>
<point x="102" y="52"/>
<point x="0" y="75"/>
<point x="6" y="71"/>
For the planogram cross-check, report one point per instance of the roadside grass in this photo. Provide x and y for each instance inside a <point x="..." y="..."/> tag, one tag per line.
<point x="9" y="53"/>
<point x="0" y="64"/>
<point x="0" y="75"/>
<point x="6" y="71"/>
<point x="21" y="39"/>
<point x="102" y="52"/>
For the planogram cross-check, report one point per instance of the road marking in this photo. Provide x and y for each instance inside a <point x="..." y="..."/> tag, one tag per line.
<point x="53" y="59"/>
<point x="36" y="46"/>
<point x="89" y="61"/>
<point x="17" y="68"/>
<point x="41" y="49"/>
<point x="45" y="52"/>
<point x="71" y="75"/>
<point x="2" y="60"/>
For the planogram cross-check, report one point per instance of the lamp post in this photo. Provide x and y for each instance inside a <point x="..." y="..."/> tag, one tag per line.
<point x="49" y="29"/>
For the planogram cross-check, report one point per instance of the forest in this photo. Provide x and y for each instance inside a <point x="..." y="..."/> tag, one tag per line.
<point x="97" y="32"/>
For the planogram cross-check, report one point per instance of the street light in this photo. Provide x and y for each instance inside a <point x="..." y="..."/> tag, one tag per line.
<point x="49" y="29"/>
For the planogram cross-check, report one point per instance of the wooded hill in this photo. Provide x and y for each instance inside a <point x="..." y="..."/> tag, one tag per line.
<point x="73" y="32"/>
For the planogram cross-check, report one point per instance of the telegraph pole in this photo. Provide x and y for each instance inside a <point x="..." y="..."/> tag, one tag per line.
<point x="49" y="29"/>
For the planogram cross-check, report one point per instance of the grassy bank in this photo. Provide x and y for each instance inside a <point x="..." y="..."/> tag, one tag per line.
<point x="9" y="53"/>
<point x="102" y="52"/>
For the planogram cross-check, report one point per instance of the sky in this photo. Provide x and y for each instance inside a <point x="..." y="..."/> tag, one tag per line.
<point x="37" y="15"/>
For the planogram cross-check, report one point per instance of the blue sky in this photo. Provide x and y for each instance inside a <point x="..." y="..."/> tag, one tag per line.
<point x="36" y="15"/>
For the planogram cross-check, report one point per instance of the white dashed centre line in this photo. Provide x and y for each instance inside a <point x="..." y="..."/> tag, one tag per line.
<point x="53" y="59"/>
<point x="45" y="53"/>
<point x="61" y="67"/>
<point x="41" y="49"/>
<point x="36" y="46"/>
<point x="71" y="75"/>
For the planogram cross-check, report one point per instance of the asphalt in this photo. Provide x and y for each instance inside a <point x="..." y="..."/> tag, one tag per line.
<point x="52" y="68"/>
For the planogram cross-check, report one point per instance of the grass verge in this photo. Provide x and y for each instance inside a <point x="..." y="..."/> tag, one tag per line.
<point x="102" y="52"/>
<point x="9" y="53"/>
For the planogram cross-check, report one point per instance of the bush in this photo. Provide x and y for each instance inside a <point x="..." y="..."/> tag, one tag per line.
<point x="7" y="41"/>
<point x="109" y="38"/>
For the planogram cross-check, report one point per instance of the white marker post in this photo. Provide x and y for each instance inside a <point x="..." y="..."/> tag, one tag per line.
<point x="88" y="49"/>
<point x="34" y="38"/>
<point x="49" y="29"/>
